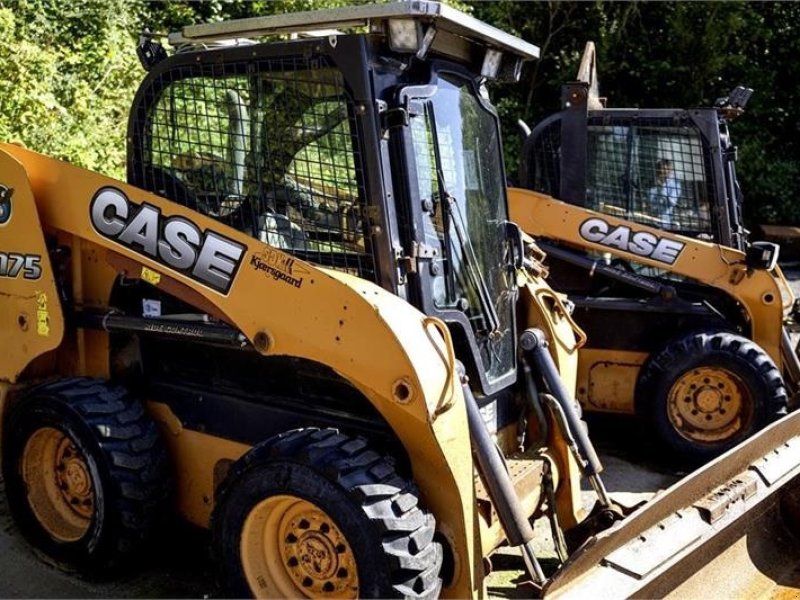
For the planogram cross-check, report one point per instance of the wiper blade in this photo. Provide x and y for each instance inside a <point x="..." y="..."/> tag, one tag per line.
<point x="471" y="261"/>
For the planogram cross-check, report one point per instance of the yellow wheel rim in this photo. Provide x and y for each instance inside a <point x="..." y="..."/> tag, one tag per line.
<point x="291" y="548"/>
<point x="709" y="404"/>
<point x="59" y="484"/>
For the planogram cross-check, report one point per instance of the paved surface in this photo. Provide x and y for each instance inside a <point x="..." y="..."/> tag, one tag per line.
<point x="633" y="472"/>
<point x="180" y="567"/>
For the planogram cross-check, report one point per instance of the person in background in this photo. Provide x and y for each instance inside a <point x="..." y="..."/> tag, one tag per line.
<point x="665" y="193"/>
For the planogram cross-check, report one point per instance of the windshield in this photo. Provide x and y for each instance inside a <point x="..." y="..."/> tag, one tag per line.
<point x="650" y="173"/>
<point x="460" y="179"/>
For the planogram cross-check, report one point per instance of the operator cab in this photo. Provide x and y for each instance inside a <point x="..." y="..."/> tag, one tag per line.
<point x="672" y="169"/>
<point x="667" y="168"/>
<point x="359" y="139"/>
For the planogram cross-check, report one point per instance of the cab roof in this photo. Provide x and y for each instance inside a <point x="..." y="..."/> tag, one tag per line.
<point x="411" y="26"/>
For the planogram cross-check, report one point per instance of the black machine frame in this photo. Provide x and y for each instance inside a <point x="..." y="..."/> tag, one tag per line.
<point x="373" y="78"/>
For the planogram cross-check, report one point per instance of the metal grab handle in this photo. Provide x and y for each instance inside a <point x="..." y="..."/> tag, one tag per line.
<point x="582" y="338"/>
<point x="449" y="361"/>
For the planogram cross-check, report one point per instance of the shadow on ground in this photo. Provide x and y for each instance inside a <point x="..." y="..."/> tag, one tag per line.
<point x="177" y="565"/>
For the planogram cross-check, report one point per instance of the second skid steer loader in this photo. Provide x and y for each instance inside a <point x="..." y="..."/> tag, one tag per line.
<point x="307" y="320"/>
<point x="639" y="211"/>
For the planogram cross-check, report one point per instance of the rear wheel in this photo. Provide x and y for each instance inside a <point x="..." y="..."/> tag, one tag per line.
<point x="317" y="514"/>
<point x="708" y="391"/>
<point x="85" y="472"/>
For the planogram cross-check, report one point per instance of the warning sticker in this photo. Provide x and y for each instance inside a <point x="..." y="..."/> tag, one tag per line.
<point x="150" y="276"/>
<point x="42" y="315"/>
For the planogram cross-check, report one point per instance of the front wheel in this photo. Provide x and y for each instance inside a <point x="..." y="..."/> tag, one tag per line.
<point x="316" y="514"/>
<point x="708" y="391"/>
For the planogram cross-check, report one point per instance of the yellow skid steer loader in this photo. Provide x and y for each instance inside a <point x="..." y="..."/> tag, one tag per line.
<point x="639" y="211"/>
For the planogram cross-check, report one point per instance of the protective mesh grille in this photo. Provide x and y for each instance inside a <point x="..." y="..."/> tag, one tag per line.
<point x="268" y="147"/>
<point x="649" y="171"/>
<point x="652" y="171"/>
<point x="546" y="163"/>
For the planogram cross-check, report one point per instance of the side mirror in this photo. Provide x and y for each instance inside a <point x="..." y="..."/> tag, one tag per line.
<point x="762" y="255"/>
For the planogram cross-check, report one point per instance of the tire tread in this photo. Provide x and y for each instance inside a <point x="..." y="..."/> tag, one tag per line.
<point x="135" y="458"/>
<point x="662" y="365"/>
<point x="389" y="501"/>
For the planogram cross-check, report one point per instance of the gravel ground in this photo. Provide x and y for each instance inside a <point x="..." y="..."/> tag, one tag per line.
<point x="180" y="567"/>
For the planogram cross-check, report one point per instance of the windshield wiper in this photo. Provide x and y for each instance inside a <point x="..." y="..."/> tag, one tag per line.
<point x="470" y="259"/>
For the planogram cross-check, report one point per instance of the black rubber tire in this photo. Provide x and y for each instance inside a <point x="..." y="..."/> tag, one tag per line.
<point x="727" y="350"/>
<point x="391" y="535"/>
<point x="126" y="461"/>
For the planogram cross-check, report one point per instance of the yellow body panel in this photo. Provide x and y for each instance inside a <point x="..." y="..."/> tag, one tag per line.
<point x="760" y="293"/>
<point x="544" y="308"/>
<point x="201" y="459"/>
<point x="371" y="338"/>
<point x="607" y="379"/>
<point x="31" y="321"/>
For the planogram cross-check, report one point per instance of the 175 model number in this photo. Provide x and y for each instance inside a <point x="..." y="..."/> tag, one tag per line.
<point x="13" y="264"/>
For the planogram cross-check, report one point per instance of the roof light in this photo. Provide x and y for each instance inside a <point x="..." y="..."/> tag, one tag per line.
<point x="405" y="35"/>
<point x="491" y="63"/>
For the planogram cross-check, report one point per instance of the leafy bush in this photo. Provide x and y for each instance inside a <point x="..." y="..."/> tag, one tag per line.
<point x="68" y="71"/>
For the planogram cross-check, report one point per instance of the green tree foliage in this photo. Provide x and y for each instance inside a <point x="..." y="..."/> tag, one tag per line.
<point x="672" y="54"/>
<point x="68" y="71"/>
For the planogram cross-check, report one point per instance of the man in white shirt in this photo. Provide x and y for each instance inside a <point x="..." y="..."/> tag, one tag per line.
<point x="666" y="192"/>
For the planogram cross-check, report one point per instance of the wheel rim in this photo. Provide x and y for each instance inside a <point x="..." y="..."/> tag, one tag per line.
<point x="709" y="404"/>
<point x="59" y="484"/>
<point x="292" y="548"/>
